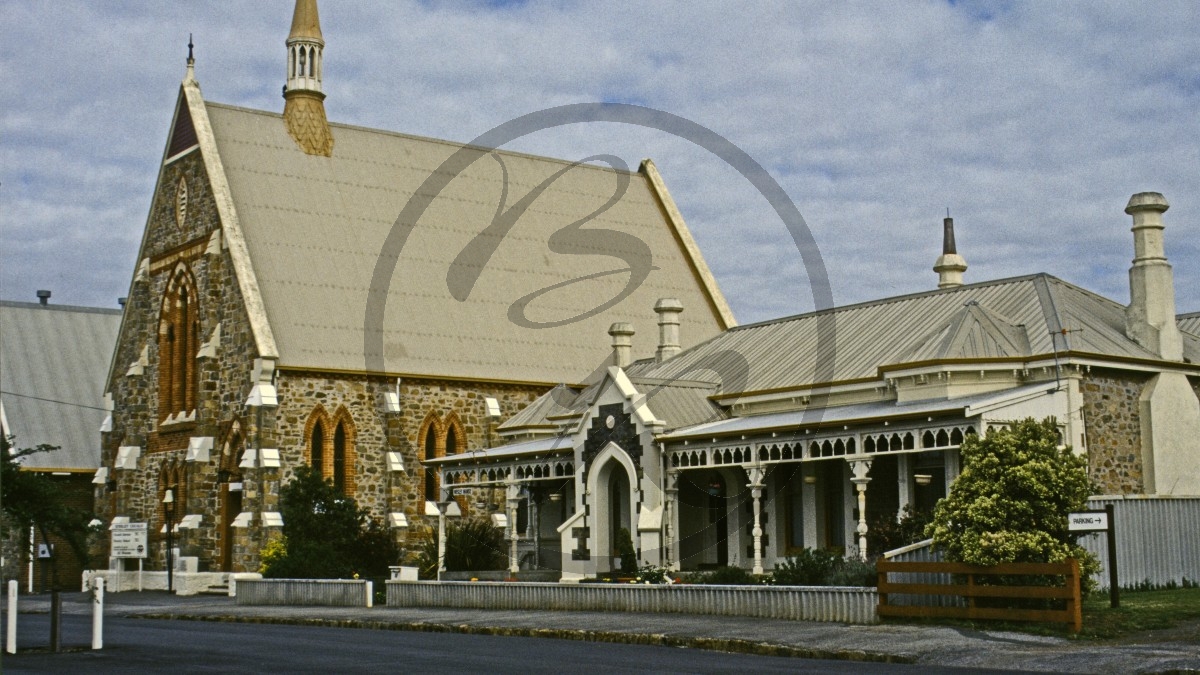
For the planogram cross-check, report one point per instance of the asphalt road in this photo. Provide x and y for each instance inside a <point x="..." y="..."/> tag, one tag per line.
<point x="155" y="646"/>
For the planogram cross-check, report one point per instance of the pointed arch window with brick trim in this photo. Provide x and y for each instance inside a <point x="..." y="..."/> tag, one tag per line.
<point x="431" y="445"/>
<point x="178" y="343"/>
<point x="330" y="448"/>
<point x="317" y="444"/>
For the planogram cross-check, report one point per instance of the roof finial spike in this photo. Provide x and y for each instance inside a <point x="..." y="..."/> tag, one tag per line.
<point x="191" y="62"/>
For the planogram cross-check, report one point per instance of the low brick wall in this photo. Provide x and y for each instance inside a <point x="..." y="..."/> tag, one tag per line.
<point x="800" y="603"/>
<point x="312" y="592"/>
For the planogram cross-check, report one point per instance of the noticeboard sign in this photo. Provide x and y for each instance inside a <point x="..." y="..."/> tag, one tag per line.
<point x="1087" y="521"/>
<point x="129" y="540"/>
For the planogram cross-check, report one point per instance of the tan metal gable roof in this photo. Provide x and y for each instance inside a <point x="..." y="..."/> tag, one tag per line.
<point x="53" y="361"/>
<point x="853" y="342"/>
<point x="315" y="227"/>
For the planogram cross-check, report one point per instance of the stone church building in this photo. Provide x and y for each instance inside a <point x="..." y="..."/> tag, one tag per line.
<point x="361" y="301"/>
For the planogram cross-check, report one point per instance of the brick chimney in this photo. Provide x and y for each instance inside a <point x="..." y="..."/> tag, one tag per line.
<point x="1150" y="317"/>
<point x="668" y="310"/>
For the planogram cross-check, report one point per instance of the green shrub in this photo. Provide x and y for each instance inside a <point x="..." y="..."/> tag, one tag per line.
<point x="1011" y="501"/>
<point x="473" y="544"/>
<point x="854" y="572"/>
<point x="810" y="567"/>
<point x="325" y="534"/>
<point x="629" y="561"/>
<point x="818" y="567"/>
<point x="886" y="533"/>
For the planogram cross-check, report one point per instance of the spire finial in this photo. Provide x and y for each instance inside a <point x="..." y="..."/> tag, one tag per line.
<point x="191" y="62"/>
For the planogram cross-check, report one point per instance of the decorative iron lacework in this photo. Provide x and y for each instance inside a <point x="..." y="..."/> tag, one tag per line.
<point x="938" y="438"/>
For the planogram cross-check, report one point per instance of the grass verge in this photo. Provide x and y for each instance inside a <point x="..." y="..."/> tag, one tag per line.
<point x="1140" y="611"/>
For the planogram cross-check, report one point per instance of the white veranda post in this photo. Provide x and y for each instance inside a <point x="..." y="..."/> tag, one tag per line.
<point x="756" y="488"/>
<point x="861" y="469"/>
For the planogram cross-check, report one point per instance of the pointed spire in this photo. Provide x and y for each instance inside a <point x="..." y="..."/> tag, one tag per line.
<point x="950" y="266"/>
<point x="306" y="25"/>
<point x="304" y="110"/>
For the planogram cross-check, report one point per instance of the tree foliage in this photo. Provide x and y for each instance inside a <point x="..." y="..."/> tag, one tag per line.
<point x="32" y="499"/>
<point x="1011" y="501"/>
<point x="326" y="535"/>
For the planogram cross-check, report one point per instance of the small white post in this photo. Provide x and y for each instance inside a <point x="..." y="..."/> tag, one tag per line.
<point x="370" y="594"/>
<point x="10" y="643"/>
<point x="98" y="614"/>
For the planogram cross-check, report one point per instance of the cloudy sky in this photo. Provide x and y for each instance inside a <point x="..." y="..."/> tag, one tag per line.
<point x="1032" y="122"/>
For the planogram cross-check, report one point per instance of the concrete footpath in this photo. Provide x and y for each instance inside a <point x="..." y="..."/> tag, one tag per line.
<point x="1174" y="651"/>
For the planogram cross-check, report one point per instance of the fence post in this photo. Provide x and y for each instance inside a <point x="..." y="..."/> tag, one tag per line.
<point x="11" y="641"/>
<point x="881" y="582"/>
<point x="98" y="614"/>
<point x="1075" y="603"/>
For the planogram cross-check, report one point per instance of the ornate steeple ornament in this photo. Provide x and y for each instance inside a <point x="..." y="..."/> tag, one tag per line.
<point x="950" y="265"/>
<point x="304" y="107"/>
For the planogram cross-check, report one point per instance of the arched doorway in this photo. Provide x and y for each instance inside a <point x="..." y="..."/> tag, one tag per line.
<point x="612" y="510"/>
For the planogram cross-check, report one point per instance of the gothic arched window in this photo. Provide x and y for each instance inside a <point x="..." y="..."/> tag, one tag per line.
<point x="178" y="343"/>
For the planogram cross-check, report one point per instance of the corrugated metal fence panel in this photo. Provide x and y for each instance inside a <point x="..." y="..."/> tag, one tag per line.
<point x="807" y="603"/>
<point x="297" y="592"/>
<point x="1158" y="540"/>
<point x="921" y="552"/>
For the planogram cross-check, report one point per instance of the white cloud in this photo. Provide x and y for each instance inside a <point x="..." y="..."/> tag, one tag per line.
<point x="1032" y="122"/>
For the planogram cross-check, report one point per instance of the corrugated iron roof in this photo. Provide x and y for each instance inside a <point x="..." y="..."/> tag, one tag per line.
<point x="1026" y="314"/>
<point x="551" y="445"/>
<point x="315" y="228"/>
<point x="53" y="362"/>
<point x="798" y="419"/>
<point x="1190" y="323"/>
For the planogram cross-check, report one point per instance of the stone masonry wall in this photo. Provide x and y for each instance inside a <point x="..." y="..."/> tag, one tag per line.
<point x="375" y="432"/>
<point x="222" y="381"/>
<point x="1112" y="421"/>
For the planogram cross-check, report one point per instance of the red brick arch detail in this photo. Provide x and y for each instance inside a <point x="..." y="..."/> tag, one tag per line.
<point x="318" y="414"/>
<point x="431" y="425"/>
<point x="452" y="426"/>
<point x="343" y="417"/>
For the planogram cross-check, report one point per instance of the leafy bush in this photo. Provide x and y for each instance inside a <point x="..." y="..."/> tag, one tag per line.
<point x="653" y="574"/>
<point x="471" y="545"/>
<point x="629" y="561"/>
<point x="325" y="534"/>
<point x="885" y="533"/>
<point x="1011" y="501"/>
<point x="854" y="572"/>
<point x="729" y="576"/>
<point x="810" y="567"/>
<point x="818" y="567"/>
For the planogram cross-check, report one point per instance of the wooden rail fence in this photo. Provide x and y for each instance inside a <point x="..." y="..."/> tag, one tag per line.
<point x="971" y="590"/>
